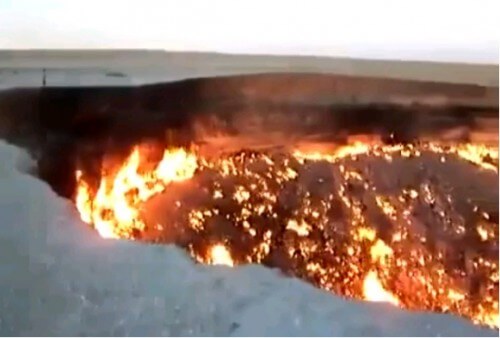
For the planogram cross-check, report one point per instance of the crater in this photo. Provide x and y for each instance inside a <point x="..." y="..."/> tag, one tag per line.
<point x="363" y="187"/>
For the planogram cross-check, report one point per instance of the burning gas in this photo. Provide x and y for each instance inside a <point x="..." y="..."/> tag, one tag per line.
<point x="375" y="292"/>
<point x="319" y="216"/>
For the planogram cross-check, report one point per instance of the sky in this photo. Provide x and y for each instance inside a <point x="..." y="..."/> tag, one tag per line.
<point x="437" y="30"/>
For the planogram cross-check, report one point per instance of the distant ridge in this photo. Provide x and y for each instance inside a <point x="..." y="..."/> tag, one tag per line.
<point x="189" y="64"/>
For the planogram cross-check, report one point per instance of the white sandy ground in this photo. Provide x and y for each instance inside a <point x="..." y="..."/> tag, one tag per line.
<point x="92" y="67"/>
<point x="58" y="277"/>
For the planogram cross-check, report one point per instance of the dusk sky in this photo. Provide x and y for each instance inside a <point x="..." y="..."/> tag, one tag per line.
<point x="464" y="31"/>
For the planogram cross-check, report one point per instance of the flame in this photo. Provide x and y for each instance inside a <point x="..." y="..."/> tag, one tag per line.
<point x="355" y="262"/>
<point x="83" y="199"/>
<point x="373" y="290"/>
<point x="114" y="210"/>
<point x="220" y="255"/>
<point x="380" y="252"/>
<point x="477" y="153"/>
<point x="301" y="229"/>
<point x="176" y="165"/>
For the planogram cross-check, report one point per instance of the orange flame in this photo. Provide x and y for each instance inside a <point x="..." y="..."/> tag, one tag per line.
<point x="374" y="291"/>
<point x="114" y="210"/>
<point x="220" y="255"/>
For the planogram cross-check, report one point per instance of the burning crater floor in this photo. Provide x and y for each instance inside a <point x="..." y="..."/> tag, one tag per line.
<point x="59" y="277"/>
<point x="413" y="225"/>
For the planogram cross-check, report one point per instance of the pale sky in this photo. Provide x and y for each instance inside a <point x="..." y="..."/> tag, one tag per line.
<point x="437" y="30"/>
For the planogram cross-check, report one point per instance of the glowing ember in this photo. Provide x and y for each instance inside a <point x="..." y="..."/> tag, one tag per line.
<point x="301" y="229"/>
<point x="318" y="216"/>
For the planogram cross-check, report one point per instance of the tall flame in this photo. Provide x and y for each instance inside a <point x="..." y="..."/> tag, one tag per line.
<point x="114" y="210"/>
<point x="374" y="291"/>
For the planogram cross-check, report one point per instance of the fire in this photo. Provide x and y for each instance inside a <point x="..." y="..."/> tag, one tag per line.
<point x="374" y="291"/>
<point x="301" y="229"/>
<point x="114" y="209"/>
<point x="477" y="154"/>
<point x="220" y="255"/>
<point x="83" y="202"/>
<point x="176" y="165"/>
<point x="381" y="252"/>
<point x="324" y="228"/>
